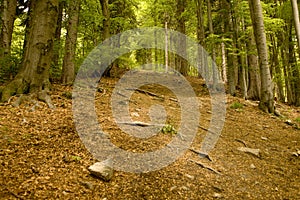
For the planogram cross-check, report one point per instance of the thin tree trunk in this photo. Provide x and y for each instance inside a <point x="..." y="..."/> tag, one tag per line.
<point x="57" y="42"/>
<point x="296" y="71"/>
<point x="211" y="31"/>
<point x="181" y="64"/>
<point x="200" y="37"/>
<point x="267" y="98"/>
<point x="106" y="20"/>
<point x="8" y="15"/>
<point x="68" y="70"/>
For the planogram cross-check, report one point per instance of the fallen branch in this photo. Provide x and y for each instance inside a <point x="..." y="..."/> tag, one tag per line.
<point x="149" y="93"/>
<point x="138" y="123"/>
<point x="204" y="166"/>
<point x="205" y="129"/>
<point x="201" y="154"/>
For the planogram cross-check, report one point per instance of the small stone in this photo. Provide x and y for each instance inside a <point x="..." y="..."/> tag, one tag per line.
<point x="102" y="170"/>
<point x="173" y="188"/>
<point x="217" y="195"/>
<point x="252" y="166"/>
<point x="190" y="176"/>
<point x="255" y="152"/>
<point x="264" y="138"/>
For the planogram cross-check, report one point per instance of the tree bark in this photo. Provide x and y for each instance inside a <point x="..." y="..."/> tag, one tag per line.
<point x="57" y="41"/>
<point x="200" y="38"/>
<point x="267" y="98"/>
<point x="215" y="76"/>
<point x="34" y="74"/>
<point x="8" y="15"/>
<point x="68" y="70"/>
<point x="106" y="20"/>
<point x="254" y="74"/>
<point x="296" y="71"/>
<point x="181" y="64"/>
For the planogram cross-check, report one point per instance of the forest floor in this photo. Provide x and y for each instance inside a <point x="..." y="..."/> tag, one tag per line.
<point x="42" y="156"/>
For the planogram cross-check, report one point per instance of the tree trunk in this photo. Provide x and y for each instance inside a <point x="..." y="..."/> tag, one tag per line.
<point x="200" y="37"/>
<point x="231" y="57"/>
<point x="296" y="71"/>
<point x="8" y="15"/>
<point x="106" y="20"/>
<point x="34" y="75"/>
<point x="267" y="98"/>
<point x="181" y="64"/>
<point x="57" y="41"/>
<point x="254" y="75"/>
<point x="278" y="74"/>
<point x="68" y="70"/>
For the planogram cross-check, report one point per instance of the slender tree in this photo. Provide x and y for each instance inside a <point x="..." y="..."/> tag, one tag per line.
<point x="181" y="64"/>
<point x="267" y="98"/>
<point x="8" y="15"/>
<point x="68" y="70"/>
<point x="296" y="71"/>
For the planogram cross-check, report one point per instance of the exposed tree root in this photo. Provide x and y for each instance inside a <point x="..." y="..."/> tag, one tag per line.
<point x="23" y="89"/>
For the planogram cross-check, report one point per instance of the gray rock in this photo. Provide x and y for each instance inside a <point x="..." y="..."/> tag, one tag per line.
<point x="102" y="170"/>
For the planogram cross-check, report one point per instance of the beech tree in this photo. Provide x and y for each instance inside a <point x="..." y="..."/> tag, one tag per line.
<point x="34" y="74"/>
<point x="267" y="98"/>
<point x="68" y="69"/>
<point x="8" y="14"/>
<point x="296" y="71"/>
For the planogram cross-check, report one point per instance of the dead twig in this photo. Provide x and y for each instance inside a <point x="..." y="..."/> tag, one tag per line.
<point x="241" y="141"/>
<point x="149" y="93"/>
<point x="204" y="166"/>
<point x="201" y="154"/>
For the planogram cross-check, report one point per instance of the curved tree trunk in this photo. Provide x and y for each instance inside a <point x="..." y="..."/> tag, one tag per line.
<point x="68" y="70"/>
<point x="267" y="98"/>
<point x="34" y="75"/>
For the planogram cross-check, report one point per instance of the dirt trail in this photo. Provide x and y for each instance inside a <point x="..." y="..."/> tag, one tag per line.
<point x="42" y="157"/>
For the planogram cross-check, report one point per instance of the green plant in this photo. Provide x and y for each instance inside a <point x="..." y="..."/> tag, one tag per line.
<point x="298" y="119"/>
<point x="169" y="129"/>
<point x="75" y="158"/>
<point x="68" y="95"/>
<point x="236" y="105"/>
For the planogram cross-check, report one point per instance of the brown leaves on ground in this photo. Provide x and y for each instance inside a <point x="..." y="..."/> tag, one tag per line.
<point x="42" y="157"/>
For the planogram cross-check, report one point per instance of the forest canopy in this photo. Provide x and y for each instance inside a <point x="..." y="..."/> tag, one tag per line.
<point x="255" y="44"/>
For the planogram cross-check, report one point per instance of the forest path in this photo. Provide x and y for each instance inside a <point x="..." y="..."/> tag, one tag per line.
<point x="42" y="156"/>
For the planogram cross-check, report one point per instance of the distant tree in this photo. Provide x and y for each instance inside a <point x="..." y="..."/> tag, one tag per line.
<point x="34" y="74"/>
<point x="267" y="98"/>
<point x="68" y="69"/>
<point x="181" y="64"/>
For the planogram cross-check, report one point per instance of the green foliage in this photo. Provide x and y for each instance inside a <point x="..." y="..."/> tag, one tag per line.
<point x="169" y="129"/>
<point x="297" y="119"/>
<point x="67" y="94"/>
<point x="236" y="106"/>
